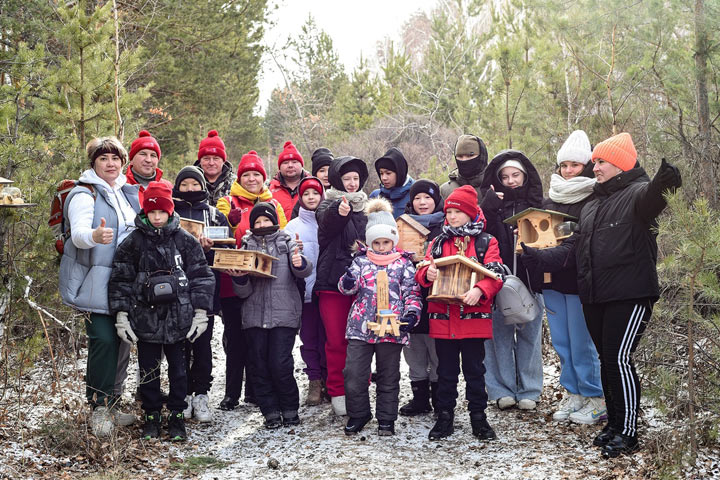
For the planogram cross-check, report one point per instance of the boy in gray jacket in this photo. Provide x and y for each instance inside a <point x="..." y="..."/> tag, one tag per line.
<point x="271" y="316"/>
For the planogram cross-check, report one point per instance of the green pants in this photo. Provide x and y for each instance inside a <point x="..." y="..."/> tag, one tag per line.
<point x="103" y="344"/>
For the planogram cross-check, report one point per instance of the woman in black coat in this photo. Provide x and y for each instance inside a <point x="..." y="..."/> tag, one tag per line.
<point x="513" y="358"/>
<point x="341" y="223"/>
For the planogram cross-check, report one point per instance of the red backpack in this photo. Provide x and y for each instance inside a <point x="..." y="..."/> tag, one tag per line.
<point x="57" y="209"/>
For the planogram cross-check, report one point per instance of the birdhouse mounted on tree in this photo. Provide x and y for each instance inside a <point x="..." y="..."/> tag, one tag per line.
<point x="255" y="263"/>
<point x="413" y="236"/>
<point x="539" y="228"/>
<point x="456" y="275"/>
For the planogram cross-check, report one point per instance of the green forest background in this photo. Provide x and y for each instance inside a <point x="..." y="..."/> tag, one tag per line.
<point x="518" y="73"/>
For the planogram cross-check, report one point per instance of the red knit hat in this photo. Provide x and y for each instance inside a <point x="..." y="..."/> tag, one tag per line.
<point x="311" y="182"/>
<point x="618" y="150"/>
<point x="158" y="196"/>
<point x="251" y="161"/>
<point x="144" y="141"/>
<point x="290" y="153"/>
<point x="212" y="145"/>
<point x="464" y="199"/>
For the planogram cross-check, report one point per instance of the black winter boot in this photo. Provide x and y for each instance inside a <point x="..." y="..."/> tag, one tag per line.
<point x="354" y="425"/>
<point x="620" y="444"/>
<point x="151" y="428"/>
<point x="604" y="436"/>
<point x="443" y="426"/>
<point x="420" y="402"/>
<point x="176" y="427"/>
<point x="386" y="428"/>
<point x="480" y="426"/>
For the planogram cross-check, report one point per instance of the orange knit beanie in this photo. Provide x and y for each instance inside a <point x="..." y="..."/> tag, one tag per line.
<point x="618" y="150"/>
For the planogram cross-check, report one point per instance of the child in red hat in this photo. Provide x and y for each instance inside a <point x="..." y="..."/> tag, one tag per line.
<point x="160" y="291"/>
<point x="461" y="330"/>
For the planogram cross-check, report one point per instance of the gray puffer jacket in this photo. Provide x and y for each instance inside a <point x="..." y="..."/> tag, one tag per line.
<point x="272" y="302"/>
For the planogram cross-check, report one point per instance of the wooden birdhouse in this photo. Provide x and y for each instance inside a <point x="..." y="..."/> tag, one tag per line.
<point x="412" y="236"/>
<point x="538" y="228"/>
<point x="11" y="197"/>
<point x="456" y="275"/>
<point x="194" y="227"/>
<point x="255" y="263"/>
<point x="385" y="320"/>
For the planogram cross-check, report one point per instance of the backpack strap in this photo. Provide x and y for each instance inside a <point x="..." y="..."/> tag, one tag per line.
<point x="482" y="243"/>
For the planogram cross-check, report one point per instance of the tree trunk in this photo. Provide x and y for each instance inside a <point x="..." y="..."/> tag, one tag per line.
<point x="119" y="130"/>
<point x="705" y="160"/>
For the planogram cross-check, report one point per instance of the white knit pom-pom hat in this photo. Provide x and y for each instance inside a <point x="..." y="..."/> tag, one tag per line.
<point x="575" y="149"/>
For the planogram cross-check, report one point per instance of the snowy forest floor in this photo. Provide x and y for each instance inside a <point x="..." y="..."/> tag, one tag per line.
<point x="44" y="434"/>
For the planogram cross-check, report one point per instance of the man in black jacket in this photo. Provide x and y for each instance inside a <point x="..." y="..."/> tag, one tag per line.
<point x="616" y="252"/>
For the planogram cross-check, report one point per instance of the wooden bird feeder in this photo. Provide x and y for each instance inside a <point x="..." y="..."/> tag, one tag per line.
<point x="11" y="197"/>
<point x="255" y="263"/>
<point x="537" y="228"/>
<point x="385" y="320"/>
<point x="194" y="227"/>
<point x="413" y="236"/>
<point x="456" y="275"/>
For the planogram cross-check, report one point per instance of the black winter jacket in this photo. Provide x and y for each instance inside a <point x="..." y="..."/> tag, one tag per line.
<point x="194" y="206"/>
<point x="515" y="201"/>
<point x="337" y="234"/>
<point x="616" y="248"/>
<point x="148" y="250"/>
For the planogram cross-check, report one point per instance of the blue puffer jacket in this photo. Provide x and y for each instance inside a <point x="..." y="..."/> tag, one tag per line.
<point x="85" y="272"/>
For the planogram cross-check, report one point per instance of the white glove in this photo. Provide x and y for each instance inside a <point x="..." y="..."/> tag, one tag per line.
<point x="199" y="325"/>
<point x="123" y="328"/>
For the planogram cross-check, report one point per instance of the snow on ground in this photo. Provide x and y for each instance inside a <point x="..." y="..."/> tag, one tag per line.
<point x="529" y="446"/>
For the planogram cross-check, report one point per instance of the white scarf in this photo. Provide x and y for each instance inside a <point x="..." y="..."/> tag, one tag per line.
<point x="570" y="191"/>
<point x="357" y="200"/>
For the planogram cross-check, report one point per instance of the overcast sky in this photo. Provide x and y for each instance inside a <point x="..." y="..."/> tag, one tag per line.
<point x="354" y="25"/>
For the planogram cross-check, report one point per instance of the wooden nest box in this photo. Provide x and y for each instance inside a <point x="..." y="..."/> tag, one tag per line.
<point x="255" y="263"/>
<point x="538" y="228"/>
<point x="412" y="236"/>
<point x="456" y="275"/>
<point x="194" y="227"/>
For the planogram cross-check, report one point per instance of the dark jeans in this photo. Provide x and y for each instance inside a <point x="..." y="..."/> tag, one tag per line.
<point x="312" y="335"/>
<point x="271" y="368"/>
<point x="198" y="361"/>
<point x="387" y="383"/>
<point x="102" y="362"/>
<point x="150" y="358"/>
<point x="616" y="329"/>
<point x="235" y="348"/>
<point x="449" y="352"/>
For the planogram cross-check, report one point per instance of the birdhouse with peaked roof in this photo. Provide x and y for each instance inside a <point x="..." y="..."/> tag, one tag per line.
<point x="538" y="228"/>
<point x="413" y="236"/>
<point x="456" y="275"/>
<point x="255" y="263"/>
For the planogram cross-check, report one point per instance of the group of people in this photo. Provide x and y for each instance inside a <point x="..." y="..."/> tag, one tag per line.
<point x="145" y="280"/>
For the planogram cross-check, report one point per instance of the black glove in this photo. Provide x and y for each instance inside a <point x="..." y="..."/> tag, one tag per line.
<point x="411" y="319"/>
<point x="348" y="280"/>
<point x="491" y="201"/>
<point x="668" y="176"/>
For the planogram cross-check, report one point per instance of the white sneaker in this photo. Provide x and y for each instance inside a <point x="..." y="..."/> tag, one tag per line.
<point x="201" y="410"/>
<point x="527" y="404"/>
<point x="593" y="412"/>
<point x="338" y="405"/>
<point x="571" y="403"/>
<point x="101" y="422"/>
<point x="188" y="412"/>
<point x="506" y="402"/>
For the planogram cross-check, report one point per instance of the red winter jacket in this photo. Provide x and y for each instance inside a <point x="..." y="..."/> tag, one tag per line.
<point x="280" y="192"/>
<point x="452" y="322"/>
<point x="158" y="178"/>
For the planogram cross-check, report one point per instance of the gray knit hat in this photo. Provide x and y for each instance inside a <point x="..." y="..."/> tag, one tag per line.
<point x="381" y="223"/>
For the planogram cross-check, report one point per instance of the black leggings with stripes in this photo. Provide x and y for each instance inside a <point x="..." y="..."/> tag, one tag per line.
<point x="616" y="329"/>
